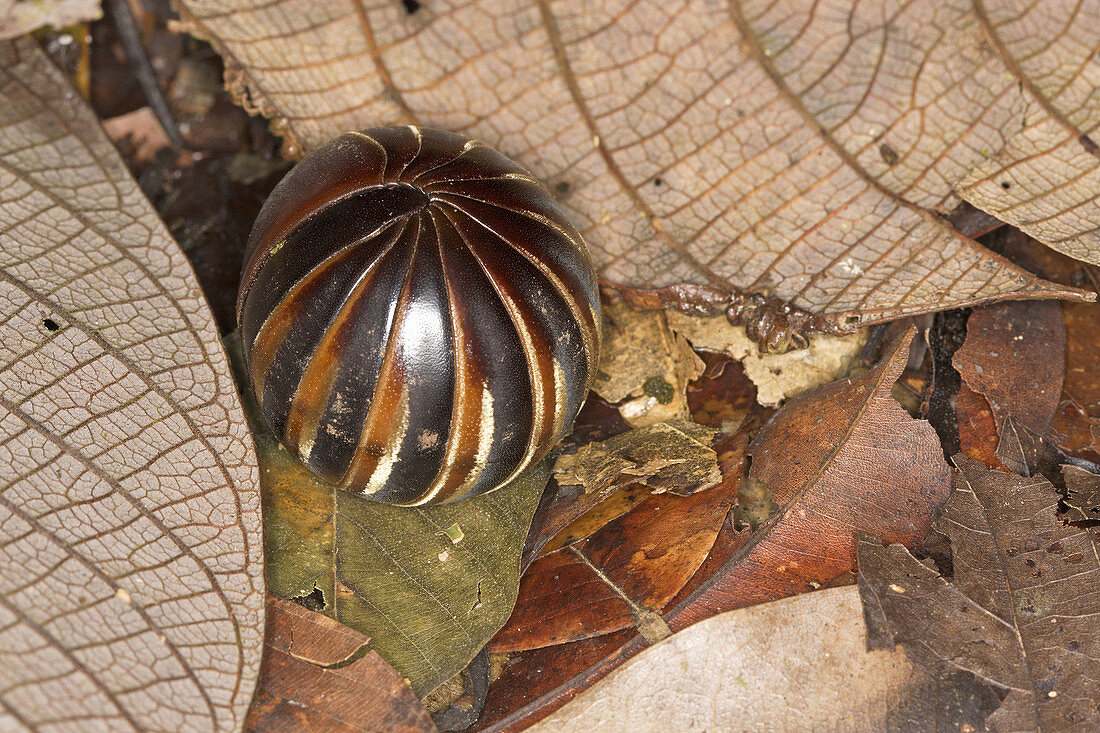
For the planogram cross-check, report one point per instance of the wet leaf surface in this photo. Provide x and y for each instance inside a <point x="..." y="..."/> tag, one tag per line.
<point x="1021" y="610"/>
<point x="619" y="574"/>
<point x="807" y="152"/>
<point x="131" y="567"/>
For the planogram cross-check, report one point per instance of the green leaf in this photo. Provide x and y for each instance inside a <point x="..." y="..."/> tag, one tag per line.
<point x="429" y="585"/>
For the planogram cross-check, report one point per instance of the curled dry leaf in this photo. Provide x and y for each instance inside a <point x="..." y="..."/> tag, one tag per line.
<point x="804" y="151"/>
<point x="776" y="376"/>
<point x="674" y="456"/>
<point x="839" y="459"/>
<point x="319" y="675"/>
<point x="793" y="665"/>
<point x="131" y="566"/>
<point x="644" y="367"/>
<point x="1021" y="611"/>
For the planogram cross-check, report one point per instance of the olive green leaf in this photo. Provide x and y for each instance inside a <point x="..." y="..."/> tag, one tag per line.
<point x="428" y="585"/>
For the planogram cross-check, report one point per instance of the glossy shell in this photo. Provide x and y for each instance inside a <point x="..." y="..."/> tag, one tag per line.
<point x="420" y="320"/>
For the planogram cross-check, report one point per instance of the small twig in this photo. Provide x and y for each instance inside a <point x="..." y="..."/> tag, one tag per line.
<point x="143" y="70"/>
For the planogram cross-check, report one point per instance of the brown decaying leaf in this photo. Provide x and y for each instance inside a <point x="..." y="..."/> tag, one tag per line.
<point x="1079" y="411"/>
<point x="131" y="565"/>
<point x="978" y="435"/>
<point x="623" y="574"/>
<point x="673" y="456"/>
<point x="806" y="151"/>
<point x="644" y="367"/>
<point x="821" y="544"/>
<point x="776" y="376"/>
<point x="1014" y="355"/>
<point x="319" y="675"/>
<point x="793" y="665"/>
<point x="1022" y="610"/>
<point x="724" y="396"/>
<point x="842" y="458"/>
<point x="1083" y="495"/>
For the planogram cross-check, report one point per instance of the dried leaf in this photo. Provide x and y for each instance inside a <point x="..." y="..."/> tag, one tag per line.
<point x="23" y="16"/>
<point x="776" y="376"/>
<point x="1079" y="409"/>
<point x="140" y="131"/>
<point x="978" y="434"/>
<point x="1021" y="611"/>
<point x="322" y="676"/>
<point x="1083" y="492"/>
<point x="842" y="458"/>
<point x="644" y="367"/>
<point x="131" y="567"/>
<point x="797" y="664"/>
<point x="674" y="456"/>
<point x="1014" y="355"/>
<point x="621" y="573"/>
<point x="429" y="585"/>
<point x="803" y="151"/>
<point x="724" y="396"/>
<point x="1027" y="453"/>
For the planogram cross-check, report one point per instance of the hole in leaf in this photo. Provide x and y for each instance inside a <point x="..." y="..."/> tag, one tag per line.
<point x="411" y="6"/>
<point x="314" y="601"/>
<point x="1006" y="185"/>
<point x="51" y="324"/>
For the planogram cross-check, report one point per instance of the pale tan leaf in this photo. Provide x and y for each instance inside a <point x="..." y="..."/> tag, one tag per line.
<point x="776" y="376"/>
<point x="797" y="664"/>
<point x="800" y="150"/>
<point x="644" y="367"/>
<point x="23" y="16"/>
<point x="1045" y="180"/>
<point x="131" y="566"/>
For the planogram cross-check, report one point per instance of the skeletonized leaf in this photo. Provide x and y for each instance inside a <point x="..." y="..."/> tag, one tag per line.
<point x="802" y="150"/>
<point x="793" y="665"/>
<point x="1022" y="610"/>
<point x="131" y="567"/>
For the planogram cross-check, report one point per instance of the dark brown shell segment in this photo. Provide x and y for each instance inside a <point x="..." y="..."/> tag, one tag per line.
<point x="420" y="319"/>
